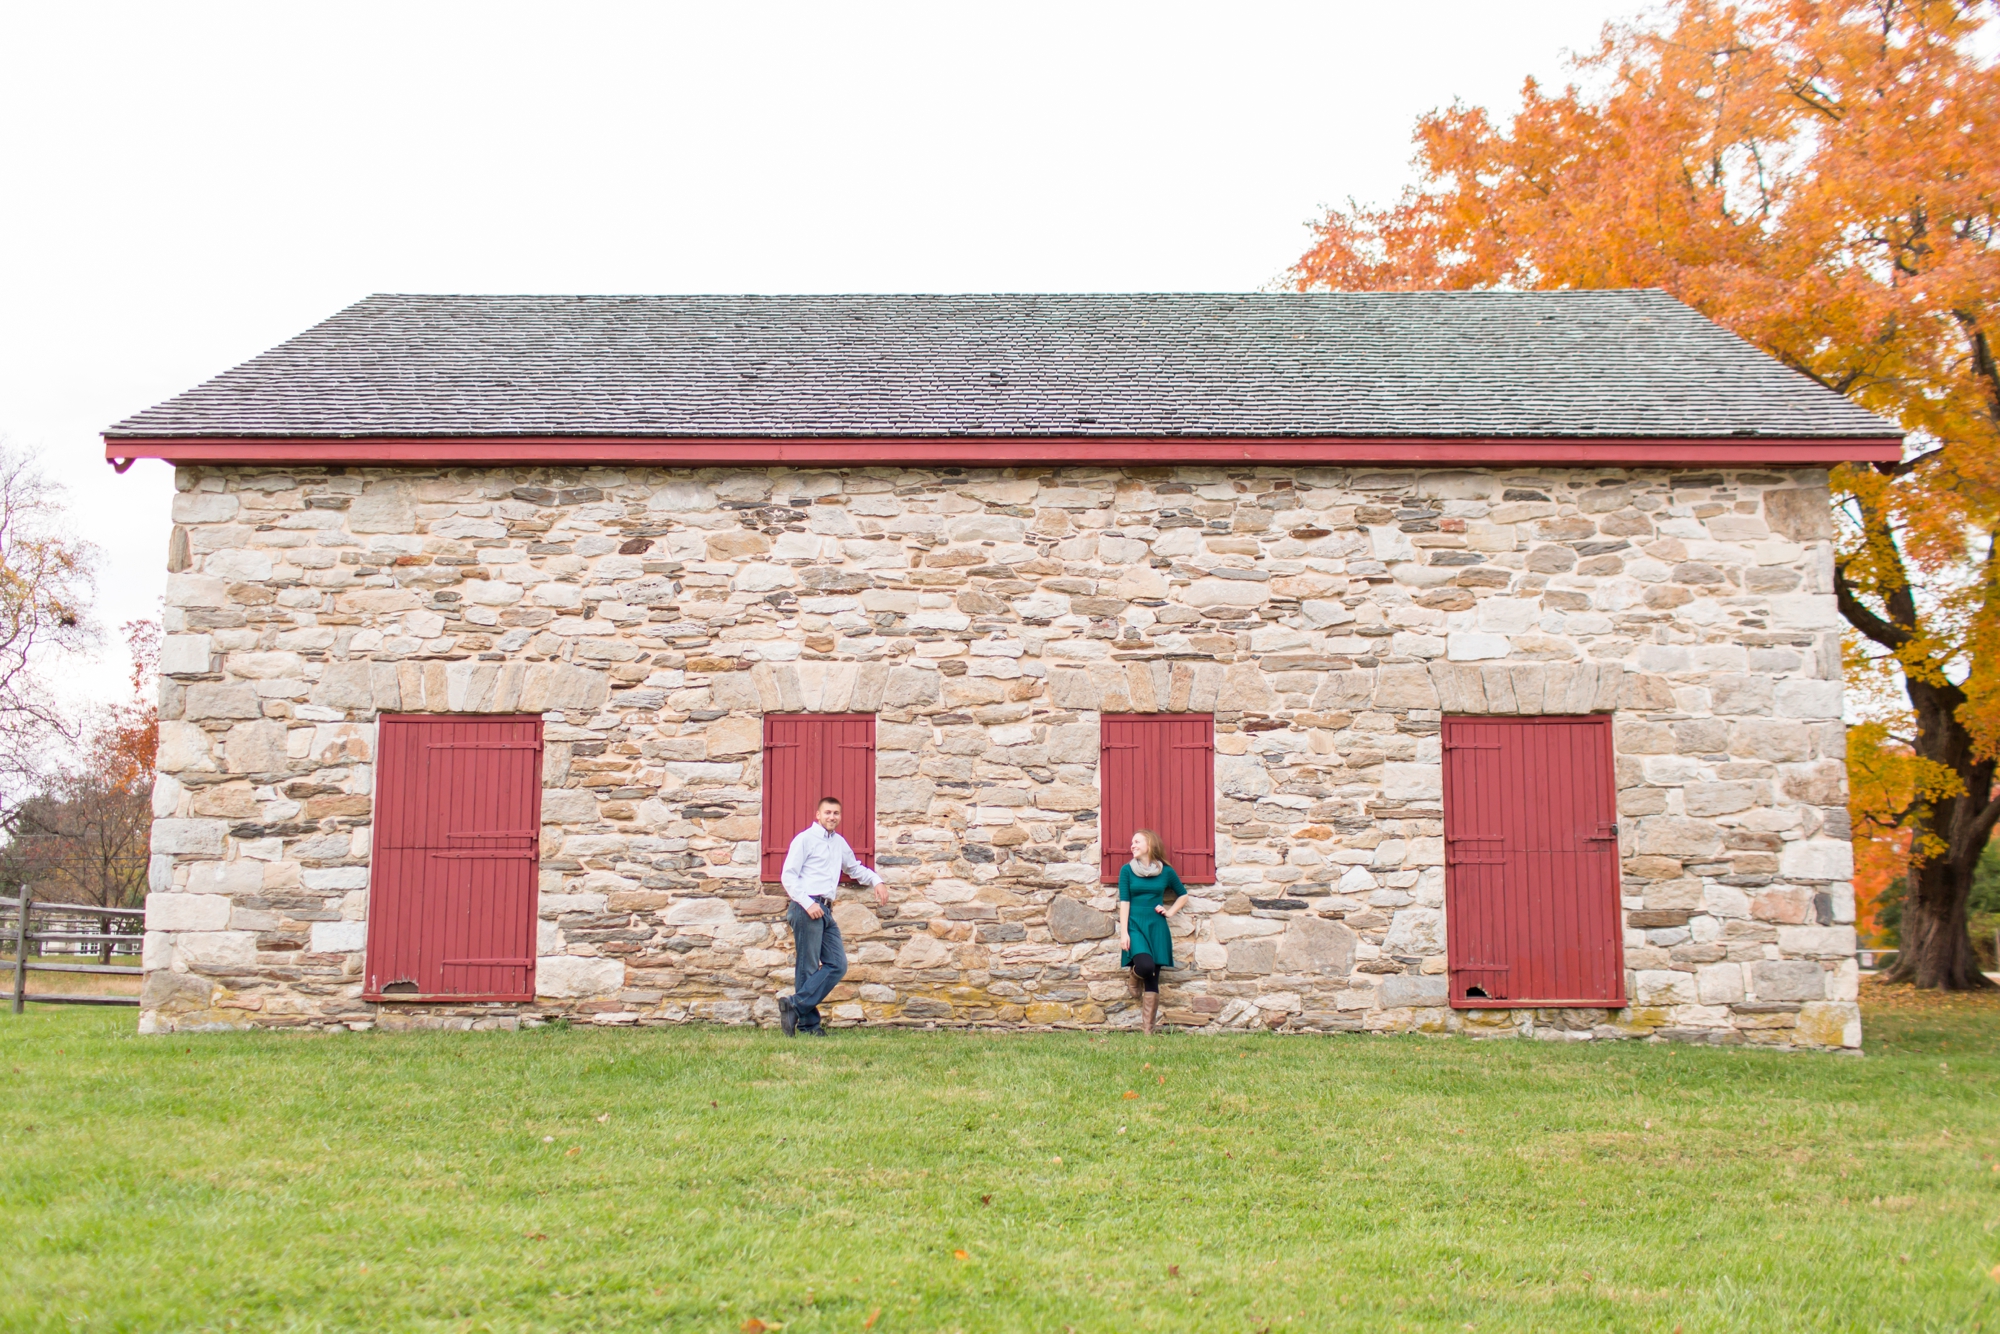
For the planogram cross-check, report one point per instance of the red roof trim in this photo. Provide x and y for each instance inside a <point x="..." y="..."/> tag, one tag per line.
<point x="1002" y="452"/>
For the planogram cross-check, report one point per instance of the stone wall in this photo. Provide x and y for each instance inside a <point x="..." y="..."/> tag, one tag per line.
<point x="1328" y="618"/>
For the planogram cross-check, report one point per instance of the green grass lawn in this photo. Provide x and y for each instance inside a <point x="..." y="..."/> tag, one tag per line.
<point x="706" y="1179"/>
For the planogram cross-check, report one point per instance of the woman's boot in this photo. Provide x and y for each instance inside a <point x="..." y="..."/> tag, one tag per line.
<point x="1149" y="1009"/>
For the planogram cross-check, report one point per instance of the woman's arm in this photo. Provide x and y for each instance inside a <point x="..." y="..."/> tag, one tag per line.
<point x="1124" y="919"/>
<point x="1180" y="892"/>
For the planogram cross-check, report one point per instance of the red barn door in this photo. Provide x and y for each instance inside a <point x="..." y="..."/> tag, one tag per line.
<point x="452" y="883"/>
<point x="812" y="755"/>
<point x="1157" y="771"/>
<point x="1532" y="915"/>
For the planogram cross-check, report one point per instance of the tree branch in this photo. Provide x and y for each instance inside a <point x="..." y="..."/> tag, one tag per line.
<point x="1861" y="617"/>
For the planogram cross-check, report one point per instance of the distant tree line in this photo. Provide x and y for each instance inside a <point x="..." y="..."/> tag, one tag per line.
<point x="76" y="777"/>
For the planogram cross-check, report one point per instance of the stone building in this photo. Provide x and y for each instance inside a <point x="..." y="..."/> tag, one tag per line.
<point x="1016" y="573"/>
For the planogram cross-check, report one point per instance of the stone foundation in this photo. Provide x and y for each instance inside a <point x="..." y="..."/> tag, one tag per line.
<point x="1328" y="618"/>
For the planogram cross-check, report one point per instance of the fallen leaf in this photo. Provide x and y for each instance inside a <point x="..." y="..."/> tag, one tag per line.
<point x="538" y="1236"/>
<point x="752" y="1326"/>
<point x="1056" y="1161"/>
<point x="986" y="1199"/>
<point x="602" y="1119"/>
<point x="1121" y="1130"/>
<point x="1161" y="1078"/>
<point x="1130" y="1094"/>
<point x="1173" y="1271"/>
<point x="1903" y="1259"/>
<point x="1995" y="1274"/>
<point x="1147" y="1066"/>
<point x="869" y="1323"/>
<point x="713" y="1103"/>
<point x="960" y="1255"/>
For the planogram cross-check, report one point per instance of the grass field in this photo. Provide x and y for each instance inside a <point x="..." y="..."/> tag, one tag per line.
<point x="716" y="1179"/>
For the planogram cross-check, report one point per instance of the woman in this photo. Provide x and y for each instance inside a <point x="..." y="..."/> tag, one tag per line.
<point x="1145" y="943"/>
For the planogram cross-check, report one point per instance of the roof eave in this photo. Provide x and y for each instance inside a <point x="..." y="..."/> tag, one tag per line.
<point x="1003" y="451"/>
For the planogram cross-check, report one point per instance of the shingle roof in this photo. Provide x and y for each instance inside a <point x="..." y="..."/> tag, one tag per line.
<point x="1455" y="364"/>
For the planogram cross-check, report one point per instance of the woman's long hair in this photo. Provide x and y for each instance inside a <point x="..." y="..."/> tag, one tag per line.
<point x="1156" y="847"/>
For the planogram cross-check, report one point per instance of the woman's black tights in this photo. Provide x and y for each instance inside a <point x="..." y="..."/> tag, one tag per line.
<point x="1148" y="971"/>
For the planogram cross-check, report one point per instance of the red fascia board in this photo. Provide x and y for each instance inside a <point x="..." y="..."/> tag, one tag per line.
<point x="990" y="452"/>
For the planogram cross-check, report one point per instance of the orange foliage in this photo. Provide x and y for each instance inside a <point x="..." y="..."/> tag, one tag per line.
<point x="1823" y="178"/>
<point x="125" y="749"/>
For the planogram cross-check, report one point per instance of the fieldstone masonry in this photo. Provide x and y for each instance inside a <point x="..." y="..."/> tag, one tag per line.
<point x="1328" y="618"/>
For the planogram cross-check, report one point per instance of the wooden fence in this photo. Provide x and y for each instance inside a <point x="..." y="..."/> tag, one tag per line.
<point x="24" y="909"/>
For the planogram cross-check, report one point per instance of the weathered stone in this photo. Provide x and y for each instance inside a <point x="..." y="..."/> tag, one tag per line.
<point x="1817" y="942"/>
<point x="338" y="937"/>
<point x="255" y="748"/>
<point x="387" y="511"/>
<point x="1677" y="836"/>
<point x="1316" y="945"/>
<point x="566" y="976"/>
<point x="201" y="837"/>
<point x="1412" y="782"/>
<point x="1830" y="1024"/>
<point x="855" y="921"/>
<point x="988" y="621"/>
<point x="705" y="911"/>
<point x="1071" y="921"/>
<point x="1719" y="984"/>
<point x="1400" y="989"/>
<point x="208" y="700"/>
<point x="185" y="654"/>
<point x="1404" y="687"/>
<point x="216" y="951"/>
<point x="1800" y="514"/>
<point x="1460" y="689"/>
<point x="1817" y="859"/>
<point x="1787" y="980"/>
<point x="922" y="952"/>
<point x="1415" y="931"/>
<point x="1663" y="987"/>
<point x="1708" y="799"/>
<point x="737" y="734"/>
<point x="186" y="912"/>
<point x="1244" y="689"/>
<point x="1252" y="956"/>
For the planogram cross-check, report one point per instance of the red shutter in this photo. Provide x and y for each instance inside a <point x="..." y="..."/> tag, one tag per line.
<point x="1532" y="915"/>
<point x="812" y="755"/>
<point x="457" y="839"/>
<point x="1157" y="771"/>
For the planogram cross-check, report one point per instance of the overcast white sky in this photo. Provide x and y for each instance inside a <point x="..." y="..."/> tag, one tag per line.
<point x="188" y="184"/>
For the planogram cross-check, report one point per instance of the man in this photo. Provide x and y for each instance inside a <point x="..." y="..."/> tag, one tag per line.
<point x="813" y="867"/>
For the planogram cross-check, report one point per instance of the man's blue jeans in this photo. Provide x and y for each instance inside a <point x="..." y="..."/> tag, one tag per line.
<point x="821" y="962"/>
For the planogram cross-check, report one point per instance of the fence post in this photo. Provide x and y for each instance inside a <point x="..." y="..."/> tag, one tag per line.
<point x="21" y="952"/>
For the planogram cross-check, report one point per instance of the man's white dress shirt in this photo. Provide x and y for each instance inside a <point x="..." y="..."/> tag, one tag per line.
<point x="814" y="865"/>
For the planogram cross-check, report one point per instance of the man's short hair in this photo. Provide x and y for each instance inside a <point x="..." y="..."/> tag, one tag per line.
<point x="827" y="801"/>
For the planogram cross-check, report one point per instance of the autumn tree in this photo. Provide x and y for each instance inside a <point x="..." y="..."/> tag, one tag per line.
<point x="1823" y="178"/>
<point x="83" y="835"/>
<point x="45" y="586"/>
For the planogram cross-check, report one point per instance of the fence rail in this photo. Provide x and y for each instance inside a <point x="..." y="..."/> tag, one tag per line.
<point x="24" y="909"/>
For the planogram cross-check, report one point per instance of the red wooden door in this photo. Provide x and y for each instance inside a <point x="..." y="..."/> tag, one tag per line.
<point x="452" y="882"/>
<point x="812" y="755"/>
<point x="1157" y="771"/>
<point x="1532" y="914"/>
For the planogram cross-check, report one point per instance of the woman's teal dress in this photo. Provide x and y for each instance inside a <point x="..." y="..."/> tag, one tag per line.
<point x="1146" y="930"/>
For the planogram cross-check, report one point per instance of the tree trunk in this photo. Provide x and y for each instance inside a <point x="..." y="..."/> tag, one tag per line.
<point x="1937" y="945"/>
